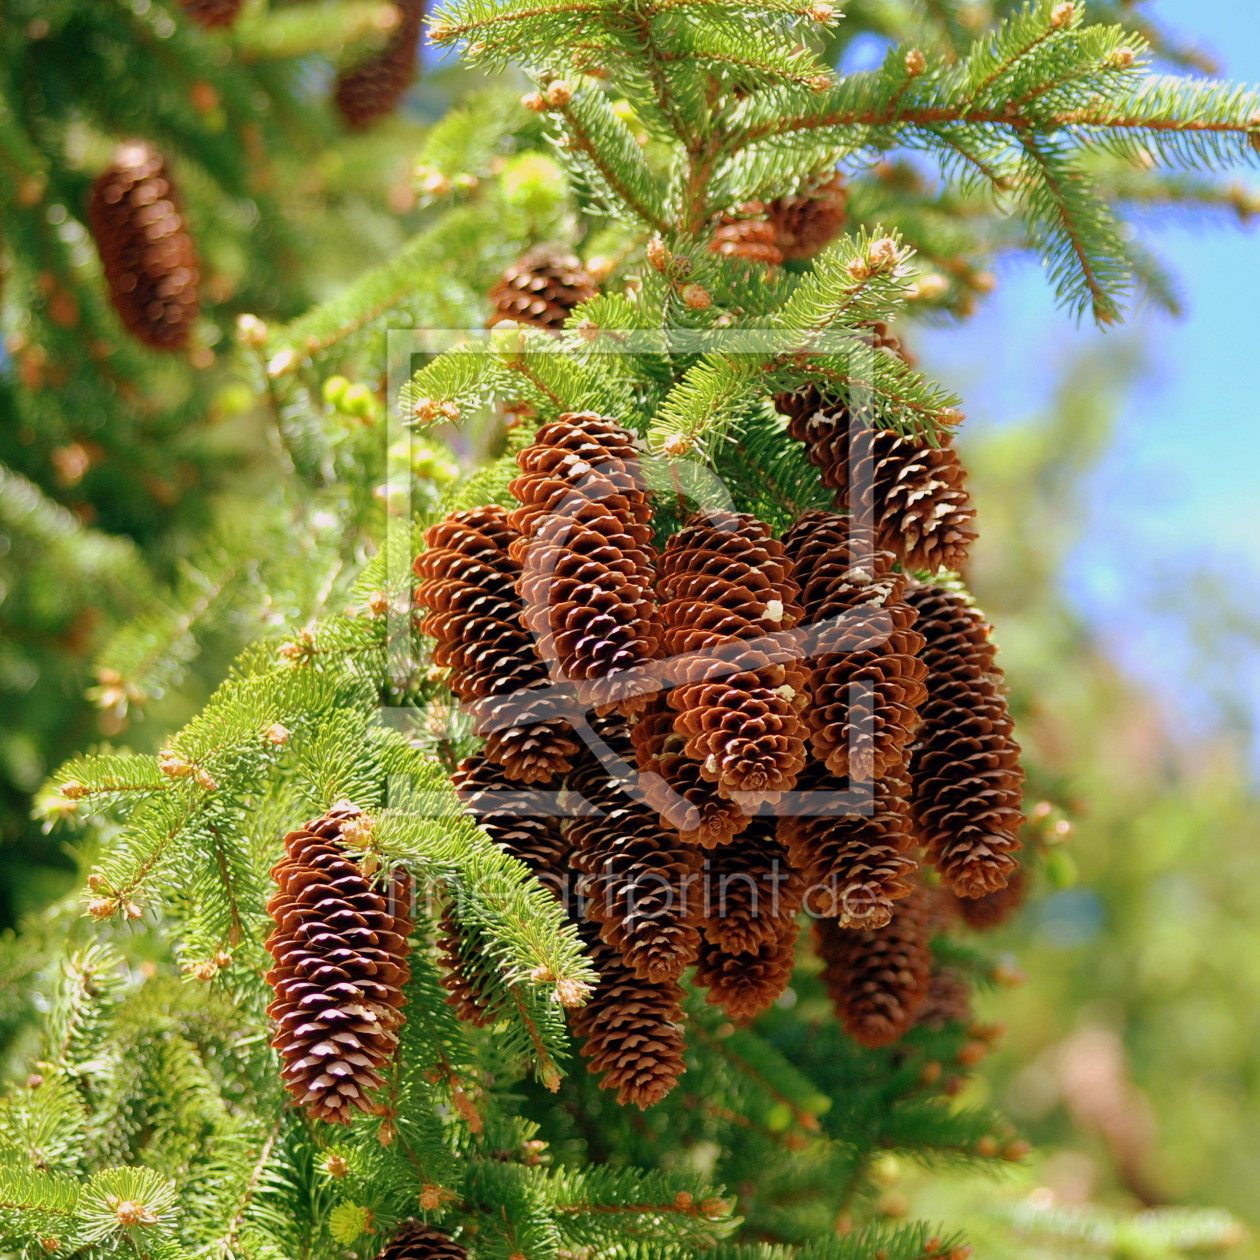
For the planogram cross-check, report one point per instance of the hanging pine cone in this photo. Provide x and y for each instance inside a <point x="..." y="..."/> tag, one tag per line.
<point x="948" y="1000"/>
<point x="631" y="1029"/>
<point x="806" y="223"/>
<point x="674" y="785"/>
<point x="468" y="588"/>
<point x="866" y="679"/>
<point x="149" y="259"/>
<point x="853" y="866"/>
<point x="521" y="823"/>
<point x="744" y="985"/>
<point x="751" y="891"/>
<point x="373" y="89"/>
<point x="968" y="783"/>
<point x="211" y="13"/>
<point x="587" y="558"/>
<point x="468" y="996"/>
<point x="995" y="908"/>
<point x="340" y="950"/>
<point x="415" y="1241"/>
<point x="748" y="236"/>
<point x="878" y="978"/>
<point x="642" y="880"/>
<point x="723" y="581"/>
<point x="912" y="494"/>
<point x="542" y="289"/>
<point x="752" y="897"/>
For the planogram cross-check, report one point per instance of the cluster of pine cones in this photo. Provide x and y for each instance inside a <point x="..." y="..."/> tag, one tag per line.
<point x="739" y="727"/>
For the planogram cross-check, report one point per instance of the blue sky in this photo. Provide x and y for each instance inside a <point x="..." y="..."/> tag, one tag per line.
<point x="1178" y="493"/>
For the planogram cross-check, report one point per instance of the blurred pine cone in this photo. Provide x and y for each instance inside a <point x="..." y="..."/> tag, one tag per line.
<point x="212" y="13"/>
<point x="810" y="220"/>
<point x="468" y="588"/>
<point x="415" y="1241"/>
<point x="459" y="973"/>
<point x="631" y="1029"/>
<point x="723" y="581"/>
<point x="866" y="680"/>
<point x="878" y="978"/>
<point x="853" y="866"/>
<point x="948" y="1000"/>
<point x="541" y="289"/>
<point x="996" y="908"/>
<point x="748" y="236"/>
<point x="744" y="985"/>
<point x="913" y="494"/>
<point x="373" y="88"/>
<point x="587" y="558"/>
<point x="340" y="950"/>
<point x="968" y="783"/>
<point x="148" y="256"/>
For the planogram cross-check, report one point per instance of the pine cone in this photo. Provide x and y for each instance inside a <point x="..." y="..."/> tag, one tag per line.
<point x="631" y="1029"/>
<point x="806" y="223"/>
<point x="866" y="680"/>
<point x="968" y="783"/>
<point x="521" y="823"/>
<point x="468" y="587"/>
<point x="541" y="289"/>
<point x="340" y="950"/>
<point x="467" y="995"/>
<point x="746" y="984"/>
<point x="913" y="494"/>
<point x="853" y="866"/>
<point x="948" y="1000"/>
<point x="674" y="785"/>
<point x="149" y="259"/>
<point x="373" y="89"/>
<point x="750" y="238"/>
<point x="752" y="892"/>
<point x="212" y="13"/>
<point x="642" y="879"/>
<point x="749" y="947"/>
<point x="723" y="580"/>
<point x="415" y="1241"/>
<point x="587" y="558"/>
<point x="878" y="978"/>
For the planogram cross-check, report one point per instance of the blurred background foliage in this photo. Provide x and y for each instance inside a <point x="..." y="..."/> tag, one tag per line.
<point x="1132" y="1058"/>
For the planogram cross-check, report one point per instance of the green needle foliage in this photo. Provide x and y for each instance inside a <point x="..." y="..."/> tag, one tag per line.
<point x="145" y="1113"/>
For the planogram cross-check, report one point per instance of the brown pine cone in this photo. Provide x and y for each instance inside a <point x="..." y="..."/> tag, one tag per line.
<point x="994" y="909"/>
<point x="340" y="950"/>
<point x="866" y="679"/>
<point x="521" y="823"/>
<point x="878" y="978"/>
<point x="415" y="1241"/>
<point x="587" y="558"/>
<point x="853" y="866"/>
<point x="748" y="236"/>
<point x="212" y="13"/>
<point x="948" y="1000"/>
<point x="913" y="494"/>
<point x="467" y="996"/>
<point x="751" y="891"/>
<point x="148" y="256"/>
<point x="746" y="984"/>
<point x="542" y="289"/>
<point x="642" y="881"/>
<point x="968" y="783"/>
<point x="373" y="89"/>
<point x="806" y="223"/>
<point x="723" y="581"/>
<point x="468" y="589"/>
<point x="631" y="1029"/>
<point x="674" y="785"/>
